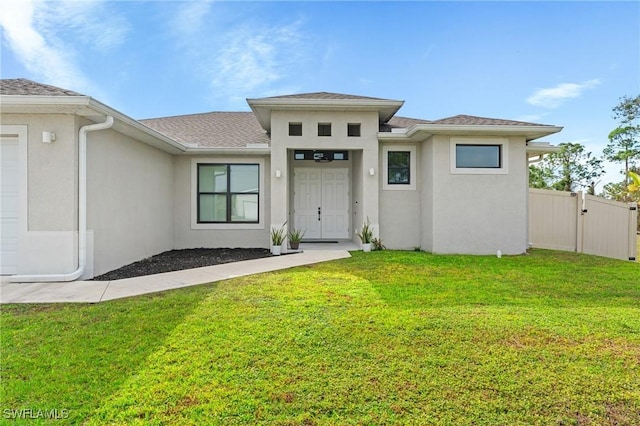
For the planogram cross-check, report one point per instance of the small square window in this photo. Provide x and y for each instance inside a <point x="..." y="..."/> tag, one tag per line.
<point x="324" y="129"/>
<point x="353" y="129"/>
<point x="295" y="129"/>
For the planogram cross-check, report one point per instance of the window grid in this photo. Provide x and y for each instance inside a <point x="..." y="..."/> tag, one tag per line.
<point x="228" y="193"/>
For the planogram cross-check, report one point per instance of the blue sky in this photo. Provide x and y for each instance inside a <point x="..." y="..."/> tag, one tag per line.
<point x="561" y="63"/>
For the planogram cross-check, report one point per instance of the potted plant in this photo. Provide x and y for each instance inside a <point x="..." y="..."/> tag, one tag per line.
<point x="366" y="235"/>
<point x="295" y="236"/>
<point x="277" y="238"/>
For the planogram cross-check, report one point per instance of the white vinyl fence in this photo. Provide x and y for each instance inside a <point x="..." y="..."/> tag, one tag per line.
<point x="585" y="224"/>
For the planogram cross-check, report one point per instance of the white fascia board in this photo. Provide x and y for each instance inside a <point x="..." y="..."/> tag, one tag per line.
<point x="530" y="132"/>
<point x="229" y="151"/>
<point x="87" y="107"/>
<point x="262" y="107"/>
<point x="540" y="148"/>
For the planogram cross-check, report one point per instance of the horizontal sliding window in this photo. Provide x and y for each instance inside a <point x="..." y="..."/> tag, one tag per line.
<point x="228" y="193"/>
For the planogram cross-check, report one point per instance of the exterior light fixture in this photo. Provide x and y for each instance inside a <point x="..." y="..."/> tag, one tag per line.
<point x="48" y="137"/>
<point x="278" y="173"/>
<point x="372" y="172"/>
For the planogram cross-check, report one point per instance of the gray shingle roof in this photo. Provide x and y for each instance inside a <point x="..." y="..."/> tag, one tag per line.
<point x="212" y="129"/>
<point x="324" y="96"/>
<point x="22" y="86"/>
<point x="471" y="120"/>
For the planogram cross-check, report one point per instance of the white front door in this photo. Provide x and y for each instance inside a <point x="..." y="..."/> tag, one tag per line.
<point x="9" y="185"/>
<point x="321" y="202"/>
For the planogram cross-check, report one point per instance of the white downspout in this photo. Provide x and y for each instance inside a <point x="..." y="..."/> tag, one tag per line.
<point x="82" y="212"/>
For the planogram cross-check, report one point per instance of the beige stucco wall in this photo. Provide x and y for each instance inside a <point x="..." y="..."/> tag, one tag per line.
<point x="129" y="200"/>
<point x="363" y="152"/>
<point x="479" y="214"/>
<point x="185" y="235"/>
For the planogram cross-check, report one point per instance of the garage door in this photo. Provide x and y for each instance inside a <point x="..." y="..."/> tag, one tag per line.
<point x="9" y="188"/>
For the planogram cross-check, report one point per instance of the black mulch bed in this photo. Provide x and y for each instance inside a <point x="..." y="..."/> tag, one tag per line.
<point x="177" y="260"/>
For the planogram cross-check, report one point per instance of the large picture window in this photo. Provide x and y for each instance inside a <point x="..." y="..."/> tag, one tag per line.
<point x="398" y="167"/>
<point x="478" y="156"/>
<point x="228" y="193"/>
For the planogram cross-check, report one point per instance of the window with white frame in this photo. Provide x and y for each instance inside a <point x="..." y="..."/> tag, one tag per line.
<point x="399" y="167"/>
<point x="479" y="155"/>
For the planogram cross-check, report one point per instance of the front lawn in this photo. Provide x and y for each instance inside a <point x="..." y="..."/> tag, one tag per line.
<point x="381" y="338"/>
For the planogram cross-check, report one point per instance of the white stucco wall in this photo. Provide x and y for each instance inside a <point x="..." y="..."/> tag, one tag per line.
<point x="401" y="207"/>
<point x="47" y="240"/>
<point x="130" y="191"/>
<point x="479" y="213"/>
<point x="186" y="234"/>
<point x="426" y="172"/>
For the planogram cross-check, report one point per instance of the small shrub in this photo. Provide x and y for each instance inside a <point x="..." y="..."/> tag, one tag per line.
<point x="376" y="244"/>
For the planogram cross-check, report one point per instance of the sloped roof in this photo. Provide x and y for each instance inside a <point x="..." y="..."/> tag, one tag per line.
<point x="325" y="96"/>
<point x="237" y="129"/>
<point x="471" y="120"/>
<point x="24" y="87"/>
<point x="212" y="129"/>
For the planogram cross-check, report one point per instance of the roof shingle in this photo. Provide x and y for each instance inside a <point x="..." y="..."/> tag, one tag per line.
<point x="471" y="120"/>
<point x="212" y="129"/>
<point x="22" y="86"/>
<point x="325" y="96"/>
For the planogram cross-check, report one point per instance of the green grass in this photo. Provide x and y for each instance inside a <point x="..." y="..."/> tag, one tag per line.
<point x="381" y="338"/>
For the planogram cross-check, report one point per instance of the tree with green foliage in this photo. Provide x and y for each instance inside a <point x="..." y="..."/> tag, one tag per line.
<point x="569" y="169"/>
<point x="624" y="140"/>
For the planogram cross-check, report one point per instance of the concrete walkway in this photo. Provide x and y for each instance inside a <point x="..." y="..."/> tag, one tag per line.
<point x="99" y="291"/>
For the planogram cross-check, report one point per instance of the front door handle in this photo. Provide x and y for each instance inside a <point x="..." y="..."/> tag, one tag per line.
<point x="319" y="213"/>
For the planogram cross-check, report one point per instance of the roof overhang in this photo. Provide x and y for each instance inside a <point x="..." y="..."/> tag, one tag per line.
<point x="92" y="110"/>
<point x="263" y="107"/>
<point x="419" y="132"/>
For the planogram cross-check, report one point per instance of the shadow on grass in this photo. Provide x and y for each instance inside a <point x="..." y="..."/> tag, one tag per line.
<point x="85" y="350"/>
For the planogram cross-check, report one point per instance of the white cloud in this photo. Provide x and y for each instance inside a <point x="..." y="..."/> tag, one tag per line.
<point x="555" y="96"/>
<point x="254" y="59"/>
<point x="531" y="118"/>
<point x="45" y="36"/>
<point x="190" y="16"/>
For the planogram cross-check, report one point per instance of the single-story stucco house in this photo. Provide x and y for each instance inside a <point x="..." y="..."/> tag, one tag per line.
<point x="87" y="189"/>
